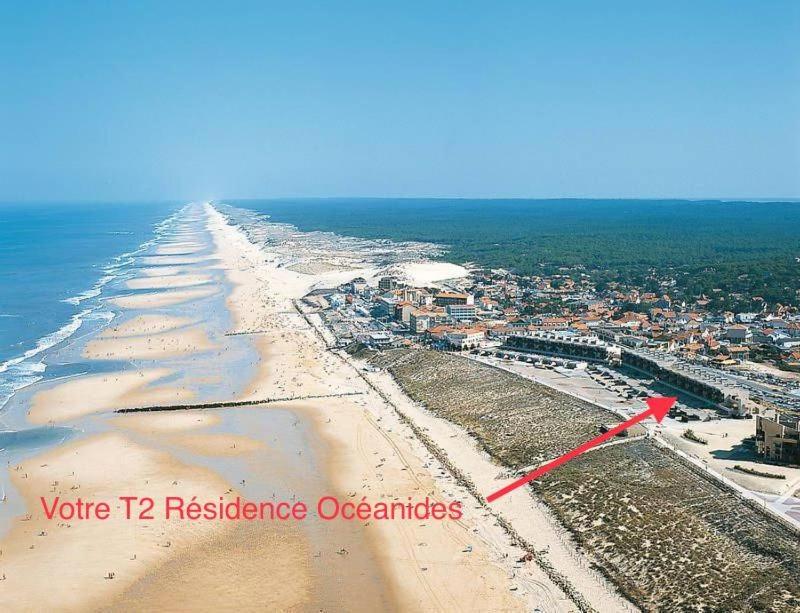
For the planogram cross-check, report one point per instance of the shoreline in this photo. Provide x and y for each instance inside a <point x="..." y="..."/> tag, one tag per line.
<point x="343" y="421"/>
<point x="350" y="446"/>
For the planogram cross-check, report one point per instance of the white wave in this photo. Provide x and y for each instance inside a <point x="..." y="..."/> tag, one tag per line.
<point x="8" y="389"/>
<point x="46" y="342"/>
<point x="23" y="370"/>
<point x="90" y="293"/>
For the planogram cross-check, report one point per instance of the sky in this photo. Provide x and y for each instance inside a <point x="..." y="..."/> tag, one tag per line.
<point x="195" y="100"/>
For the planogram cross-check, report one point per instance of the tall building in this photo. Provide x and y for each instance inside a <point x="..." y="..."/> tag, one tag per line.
<point x="387" y="284"/>
<point x="446" y="298"/>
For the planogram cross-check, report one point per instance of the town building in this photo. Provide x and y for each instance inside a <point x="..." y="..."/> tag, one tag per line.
<point x="419" y="322"/>
<point x="446" y="298"/>
<point x="778" y="437"/>
<point x="468" y="338"/>
<point x="387" y="284"/>
<point x="462" y="312"/>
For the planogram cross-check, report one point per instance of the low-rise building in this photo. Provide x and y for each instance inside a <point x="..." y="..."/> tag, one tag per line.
<point x="778" y="437"/>
<point x="419" y="322"/>
<point x="465" y="338"/>
<point x="739" y="334"/>
<point x="738" y="352"/>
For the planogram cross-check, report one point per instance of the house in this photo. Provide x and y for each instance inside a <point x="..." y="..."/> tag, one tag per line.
<point x="739" y="334"/>
<point x="738" y="352"/>
<point x="419" y="321"/>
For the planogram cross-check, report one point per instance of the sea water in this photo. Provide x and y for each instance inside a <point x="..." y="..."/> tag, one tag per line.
<point x="55" y="260"/>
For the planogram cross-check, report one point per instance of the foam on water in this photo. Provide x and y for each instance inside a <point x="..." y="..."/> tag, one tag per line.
<point x="29" y="366"/>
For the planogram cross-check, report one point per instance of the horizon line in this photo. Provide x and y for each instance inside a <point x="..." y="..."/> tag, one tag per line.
<point x="752" y="199"/>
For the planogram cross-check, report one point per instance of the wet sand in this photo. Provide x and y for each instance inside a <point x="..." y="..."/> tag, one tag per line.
<point x="82" y="396"/>
<point x="168" y="281"/>
<point x="149" y="346"/>
<point x="174" y="564"/>
<point x="347" y="446"/>
<point x="156" y="300"/>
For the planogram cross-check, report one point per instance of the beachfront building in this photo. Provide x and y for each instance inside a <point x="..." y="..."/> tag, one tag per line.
<point x="700" y="383"/>
<point x="377" y="339"/>
<point x="468" y="338"/>
<point x="778" y="437"/>
<point x="584" y="348"/>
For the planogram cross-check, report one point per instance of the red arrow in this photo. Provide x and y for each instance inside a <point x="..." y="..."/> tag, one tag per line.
<point x="657" y="407"/>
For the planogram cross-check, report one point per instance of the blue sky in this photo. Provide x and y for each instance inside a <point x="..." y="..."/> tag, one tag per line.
<point x="160" y="100"/>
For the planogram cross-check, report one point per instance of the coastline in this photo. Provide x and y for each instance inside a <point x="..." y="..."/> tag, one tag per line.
<point x="427" y="564"/>
<point x="348" y="446"/>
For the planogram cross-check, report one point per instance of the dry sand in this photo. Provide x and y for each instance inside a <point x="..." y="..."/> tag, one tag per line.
<point x="62" y="565"/>
<point x="145" y="324"/>
<point x="82" y="396"/>
<point x="168" y="281"/>
<point x="149" y="346"/>
<point x="445" y="566"/>
<point x="157" y="300"/>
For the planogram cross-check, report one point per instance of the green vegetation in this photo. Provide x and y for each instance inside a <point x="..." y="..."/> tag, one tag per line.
<point x="669" y="536"/>
<point x="520" y="422"/>
<point x="729" y="251"/>
<point x="690" y="435"/>
<point x="672" y="538"/>
<point x="757" y="473"/>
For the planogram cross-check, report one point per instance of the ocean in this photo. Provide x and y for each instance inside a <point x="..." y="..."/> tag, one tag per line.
<point x="55" y="260"/>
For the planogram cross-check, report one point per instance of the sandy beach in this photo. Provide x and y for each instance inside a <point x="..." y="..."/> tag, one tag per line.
<point x="350" y="443"/>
